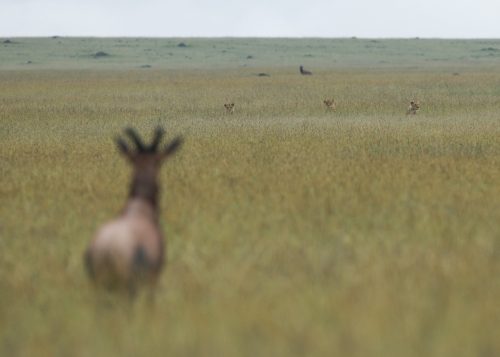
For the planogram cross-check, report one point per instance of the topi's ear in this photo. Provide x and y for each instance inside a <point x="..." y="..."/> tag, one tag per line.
<point x="132" y="134"/>
<point x="122" y="146"/>
<point x="173" y="146"/>
<point x="159" y="132"/>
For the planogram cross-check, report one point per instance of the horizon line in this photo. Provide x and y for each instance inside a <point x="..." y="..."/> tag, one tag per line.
<point x="255" y="37"/>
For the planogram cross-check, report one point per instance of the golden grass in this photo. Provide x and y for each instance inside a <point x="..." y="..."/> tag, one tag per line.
<point x="292" y="230"/>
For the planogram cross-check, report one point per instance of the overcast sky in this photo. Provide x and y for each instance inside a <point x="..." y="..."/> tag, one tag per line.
<point x="251" y="18"/>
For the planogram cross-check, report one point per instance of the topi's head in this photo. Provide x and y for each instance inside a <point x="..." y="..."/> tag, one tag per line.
<point x="147" y="156"/>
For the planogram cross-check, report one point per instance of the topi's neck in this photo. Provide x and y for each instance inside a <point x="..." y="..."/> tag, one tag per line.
<point x="144" y="185"/>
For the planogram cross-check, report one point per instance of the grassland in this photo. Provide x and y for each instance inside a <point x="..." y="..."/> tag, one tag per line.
<point x="292" y="231"/>
<point x="228" y="53"/>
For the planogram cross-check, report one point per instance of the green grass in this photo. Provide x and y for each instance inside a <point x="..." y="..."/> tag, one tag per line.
<point x="292" y="231"/>
<point x="249" y="53"/>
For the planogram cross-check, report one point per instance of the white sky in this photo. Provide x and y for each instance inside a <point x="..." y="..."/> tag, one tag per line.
<point x="252" y="18"/>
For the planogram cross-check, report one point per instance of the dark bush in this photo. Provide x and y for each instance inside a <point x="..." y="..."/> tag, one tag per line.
<point x="101" y="54"/>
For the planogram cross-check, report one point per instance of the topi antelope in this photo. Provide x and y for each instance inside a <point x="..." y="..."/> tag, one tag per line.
<point x="304" y="72"/>
<point x="129" y="251"/>
<point x="413" y="108"/>
<point x="330" y="104"/>
<point x="229" y="108"/>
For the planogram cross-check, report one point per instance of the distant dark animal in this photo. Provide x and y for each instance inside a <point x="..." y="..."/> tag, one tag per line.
<point x="128" y="251"/>
<point x="304" y="72"/>
<point x="229" y="108"/>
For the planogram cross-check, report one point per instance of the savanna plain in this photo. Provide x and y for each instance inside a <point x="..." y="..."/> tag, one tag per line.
<point x="291" y="230"/>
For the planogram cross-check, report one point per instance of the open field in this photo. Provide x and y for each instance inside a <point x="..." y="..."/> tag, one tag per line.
<point x="292" y="231"/>
<point x="225" y="53"/>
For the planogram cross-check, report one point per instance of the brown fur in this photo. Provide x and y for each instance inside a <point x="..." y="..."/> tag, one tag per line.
<point x="229" y="108"/>
<point x="129" y="250"/>
<point x="330" y="104"/>
<point x="413" y="108"/>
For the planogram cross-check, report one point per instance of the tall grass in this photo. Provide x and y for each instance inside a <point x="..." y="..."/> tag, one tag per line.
<point x="292" y="231"/>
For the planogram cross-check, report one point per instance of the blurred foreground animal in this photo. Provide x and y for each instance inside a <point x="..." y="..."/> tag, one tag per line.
<point x="413" y="108"/>
<point x="129" y="251"/>
<point x="304" y="72"/>
<point x="330" y="104"/>
<point x="229" y="108"/>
